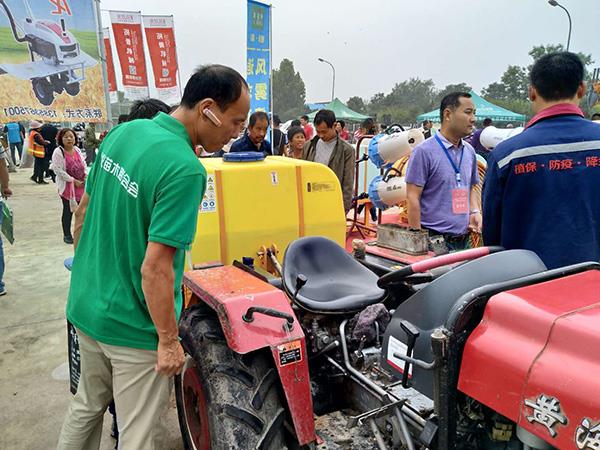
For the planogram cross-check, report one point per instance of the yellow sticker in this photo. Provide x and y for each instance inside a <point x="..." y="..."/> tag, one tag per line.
<point x="320" y="187"/>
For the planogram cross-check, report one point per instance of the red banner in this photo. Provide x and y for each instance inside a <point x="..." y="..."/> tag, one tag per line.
<point x="127" y="28"/>
<point x="110" y="66"/>
<point x="160" y="36"/>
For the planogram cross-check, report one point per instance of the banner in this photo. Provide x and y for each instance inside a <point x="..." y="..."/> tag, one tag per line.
<point x="110" y="66"/>
<point x="127" y="28"/>
<point x="258" y="59"/>
<point x="49" y="62"/>
<point x="160" y="37"/>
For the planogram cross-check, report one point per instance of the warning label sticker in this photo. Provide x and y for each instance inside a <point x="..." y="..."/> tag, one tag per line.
<point x="397" y="346"/>
<point x="320" y="187"/>
<point x="290" y="353"/>
<point x="209" y="201"/>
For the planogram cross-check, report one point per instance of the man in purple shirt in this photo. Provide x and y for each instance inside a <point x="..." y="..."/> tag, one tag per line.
<point x="475" y="139"/>
<point x="442" y="174"/>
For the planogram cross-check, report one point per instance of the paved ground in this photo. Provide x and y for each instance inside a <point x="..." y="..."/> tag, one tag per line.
<point x="34" y="391"/>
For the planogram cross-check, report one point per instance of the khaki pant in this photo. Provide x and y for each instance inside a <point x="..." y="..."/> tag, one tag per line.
<point x="141" y="397"/>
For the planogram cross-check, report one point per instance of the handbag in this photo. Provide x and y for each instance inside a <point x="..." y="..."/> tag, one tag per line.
<point x="7" y="222"/>
<point x="72" y="200"/>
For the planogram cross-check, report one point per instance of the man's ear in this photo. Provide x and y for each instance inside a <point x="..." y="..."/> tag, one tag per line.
<point x="533" y="95"/>
<point x="446" y="114"/>
<point x="581" y="90"/>
<point x="204" y="103"/>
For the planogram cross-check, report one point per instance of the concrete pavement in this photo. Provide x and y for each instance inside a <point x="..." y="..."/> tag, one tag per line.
<point x="34" y="390"/>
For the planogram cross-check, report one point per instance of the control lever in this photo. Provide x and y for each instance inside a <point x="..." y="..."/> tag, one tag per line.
<point x="358" y="356"/>
<point x="249" y="316"/>
<point x="301" y="280"/>
<point x="412" y="333"/>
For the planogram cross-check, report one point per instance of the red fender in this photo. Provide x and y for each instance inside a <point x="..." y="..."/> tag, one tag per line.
<point x="230" y="292"/>
<point x="534" y="359"/>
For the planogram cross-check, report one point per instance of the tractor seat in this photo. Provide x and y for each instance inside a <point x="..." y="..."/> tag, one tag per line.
<point x="337" y="283"/>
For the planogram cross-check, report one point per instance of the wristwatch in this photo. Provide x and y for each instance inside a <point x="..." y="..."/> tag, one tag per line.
<point x="475" y="211"/>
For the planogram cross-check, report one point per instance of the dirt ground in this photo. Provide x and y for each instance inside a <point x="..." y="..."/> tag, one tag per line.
<point x="34" y="390"/>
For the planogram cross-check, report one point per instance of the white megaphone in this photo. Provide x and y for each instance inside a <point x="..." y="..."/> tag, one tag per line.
<point x="387" y="191"/>
<point x="386" y="149"/>
<point x="491" y="136"/>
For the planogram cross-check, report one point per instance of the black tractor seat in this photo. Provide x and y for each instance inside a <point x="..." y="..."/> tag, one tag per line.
<point x="337" y="283"/>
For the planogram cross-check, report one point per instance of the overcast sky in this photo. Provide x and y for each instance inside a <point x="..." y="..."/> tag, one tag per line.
<point x="375" y="43"/>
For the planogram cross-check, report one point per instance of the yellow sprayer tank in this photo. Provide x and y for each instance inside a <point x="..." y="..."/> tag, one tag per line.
<point x="252" y="204"/>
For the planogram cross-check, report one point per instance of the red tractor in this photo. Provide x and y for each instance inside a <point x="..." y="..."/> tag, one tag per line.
<point x="480" y="349"/>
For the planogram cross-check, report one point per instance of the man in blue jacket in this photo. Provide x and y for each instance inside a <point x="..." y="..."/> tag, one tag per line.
<point x="253" y="139"/>
<point x="541" y="188"/>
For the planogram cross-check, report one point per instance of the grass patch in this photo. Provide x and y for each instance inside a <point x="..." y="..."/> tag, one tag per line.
<point x="15" y="52"/>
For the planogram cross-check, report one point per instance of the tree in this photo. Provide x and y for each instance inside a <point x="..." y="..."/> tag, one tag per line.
<point x="494" y="90"/>
<point x="356" y="104"/>
<point x="512" y="90"/>
<point x="540" y="50"/>
<point x="460" y="87"/>
<point x="406" y="100"/>
<point x="289" y="91"/>
<point x="516" y="82"/>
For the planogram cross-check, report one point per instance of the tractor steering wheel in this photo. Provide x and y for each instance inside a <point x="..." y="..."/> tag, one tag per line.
<point x="438" y="261"/>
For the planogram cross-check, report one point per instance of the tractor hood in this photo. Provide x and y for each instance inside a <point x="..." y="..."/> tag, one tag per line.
<point x="49" y="31"/>
<point x="535" y="358"/>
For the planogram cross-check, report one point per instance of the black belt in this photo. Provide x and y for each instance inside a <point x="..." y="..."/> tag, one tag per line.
<point x="447" y="237"/>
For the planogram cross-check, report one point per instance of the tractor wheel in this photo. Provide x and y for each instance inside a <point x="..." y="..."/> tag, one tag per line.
<point x="226" y="400"/>
<point x="72" y="89"/>
<point x="58" y="83"/>
<point x="42" y="88"/>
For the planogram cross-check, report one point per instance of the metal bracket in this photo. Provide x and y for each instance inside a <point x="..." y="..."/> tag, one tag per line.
<point x="376" y="413"/>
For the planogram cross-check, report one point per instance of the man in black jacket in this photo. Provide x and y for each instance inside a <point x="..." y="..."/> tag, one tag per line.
<point x="49" y="132"/>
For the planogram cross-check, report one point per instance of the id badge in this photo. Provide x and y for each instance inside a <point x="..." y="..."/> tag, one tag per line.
<point x="460" y="201"/>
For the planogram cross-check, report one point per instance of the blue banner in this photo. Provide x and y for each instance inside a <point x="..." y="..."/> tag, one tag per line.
<point x="258" y="59"/>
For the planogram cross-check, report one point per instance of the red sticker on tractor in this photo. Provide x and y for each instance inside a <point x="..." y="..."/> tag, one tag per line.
<point x="290" y="353"/>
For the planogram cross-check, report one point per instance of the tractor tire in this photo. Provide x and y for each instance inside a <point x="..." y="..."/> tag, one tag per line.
<point x="72" y="89"/>
<point x="225" y="400"/>
<point x="42" y="88"/>
<point x="57" y="82"/>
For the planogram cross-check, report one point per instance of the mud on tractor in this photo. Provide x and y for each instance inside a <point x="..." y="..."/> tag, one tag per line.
<point x="479" y="349"/>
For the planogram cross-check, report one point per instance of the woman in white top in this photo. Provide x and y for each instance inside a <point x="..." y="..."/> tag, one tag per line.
<point x="69" y="166"/>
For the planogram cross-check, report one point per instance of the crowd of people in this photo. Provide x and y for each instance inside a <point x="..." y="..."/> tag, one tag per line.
<point x="538" y="184"/>
<point x="144" y="196"/>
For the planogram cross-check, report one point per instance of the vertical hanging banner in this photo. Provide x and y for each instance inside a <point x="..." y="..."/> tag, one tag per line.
<point x="160" y="37"/>
<point x="50" y="62"/>
<point x="110" y="66"/>
<point x="127" y="28"/>
<point x="258" y="58"/>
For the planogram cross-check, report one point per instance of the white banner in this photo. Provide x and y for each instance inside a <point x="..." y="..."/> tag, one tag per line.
<point x="160" y="38"/>
<point x="129" y="40"/>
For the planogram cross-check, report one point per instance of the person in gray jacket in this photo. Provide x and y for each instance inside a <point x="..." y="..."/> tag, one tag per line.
<point x="329" y="149"/>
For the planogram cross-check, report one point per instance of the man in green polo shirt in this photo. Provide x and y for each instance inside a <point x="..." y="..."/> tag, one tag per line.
<point x="140" y="209"/>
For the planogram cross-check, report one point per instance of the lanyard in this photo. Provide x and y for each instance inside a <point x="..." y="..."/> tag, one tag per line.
<point x="456" y="169"/>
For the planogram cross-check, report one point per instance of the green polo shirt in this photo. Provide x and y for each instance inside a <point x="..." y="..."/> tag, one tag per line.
<point x="146" y="185"/>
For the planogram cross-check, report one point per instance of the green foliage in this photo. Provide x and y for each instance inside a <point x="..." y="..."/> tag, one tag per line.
<point x="289" y="92"/>
<point x="356" y="104"/>
<point x="512" y="90"/>
<point x="460" y="87"/>
<point x="538" y="51"/>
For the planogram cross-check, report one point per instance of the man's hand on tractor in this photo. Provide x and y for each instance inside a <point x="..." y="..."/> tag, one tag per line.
<point x="170" y="357"/>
